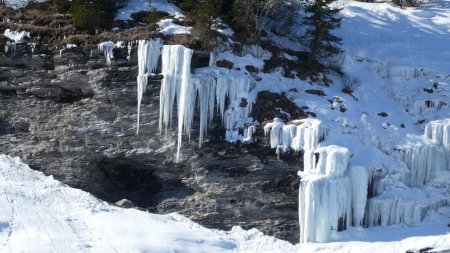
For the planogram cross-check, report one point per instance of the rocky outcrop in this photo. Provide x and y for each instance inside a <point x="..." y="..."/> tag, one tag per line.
<point x="74" y="117"/>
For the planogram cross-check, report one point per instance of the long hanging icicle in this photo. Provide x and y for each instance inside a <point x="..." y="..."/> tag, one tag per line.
<point x="186" y="100"/>
<point x="148" y="56"/>
<point x="209" y="89"/>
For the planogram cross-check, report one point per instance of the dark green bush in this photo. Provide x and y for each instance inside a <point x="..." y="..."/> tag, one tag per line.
<point x="91" y="15"/>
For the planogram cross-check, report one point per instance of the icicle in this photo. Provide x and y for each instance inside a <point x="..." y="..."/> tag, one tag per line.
<point x="33" y="47"/>
<point x="210" y="90"/>
<point x="333" y="161"/>
<point x="212" y="58"/>
<point x="186" y="99"/>
<point x="439" y="132"/>
<point x="302" y="135"/>
<point x="107" y="48"/>
<point x="423" y="159"/>
<point x="130" y="47"/>
<point x="148" y="56"/>
<point x="172" y="69"/>
<point x="248" y="134"/>
<point x="424" y="107"/>
<point x="359" y="180"/>
<point x="325" y="207"/>
<point x="10" y="47"/>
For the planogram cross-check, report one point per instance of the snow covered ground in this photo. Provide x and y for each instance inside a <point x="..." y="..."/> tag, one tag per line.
<point x="147" y="5"/>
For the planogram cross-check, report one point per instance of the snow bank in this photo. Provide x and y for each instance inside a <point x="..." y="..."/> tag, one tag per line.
<point x="167" y="27"/>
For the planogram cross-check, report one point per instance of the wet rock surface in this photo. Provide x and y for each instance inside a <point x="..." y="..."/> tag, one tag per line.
<point x="74" y="117"/>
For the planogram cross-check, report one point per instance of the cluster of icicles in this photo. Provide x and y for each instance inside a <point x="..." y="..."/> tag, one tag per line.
<point x="209" y="91"/>
<point x="334" y="194"/>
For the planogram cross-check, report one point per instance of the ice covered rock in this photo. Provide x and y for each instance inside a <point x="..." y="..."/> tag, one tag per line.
<point x="17" y="37"/>
<point x="301" y="135"/>
<point x="107" y="48"/>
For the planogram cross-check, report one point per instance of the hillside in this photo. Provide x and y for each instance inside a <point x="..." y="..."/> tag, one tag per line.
<point x="244" y="135"/>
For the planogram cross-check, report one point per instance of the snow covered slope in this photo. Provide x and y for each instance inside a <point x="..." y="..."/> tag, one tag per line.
<point x="40" y="214"/>
<point x="399" y="60"/>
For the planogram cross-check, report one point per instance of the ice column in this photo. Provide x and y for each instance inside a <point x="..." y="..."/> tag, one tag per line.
<point x="207" y="90"/>
<point x="301" y="135"/>
<point x="439" y="132"/>
<point x="326" y="197"/>
<point x="107" y="48"/>
<point x="186" y="100"/>
<point x="148" y="56"/>
<point x="176" y="68"/>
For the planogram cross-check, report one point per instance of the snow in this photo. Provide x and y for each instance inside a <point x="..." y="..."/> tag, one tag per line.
<point x="40" y="214"/>
<point x="146" y="5"/>
<point x="167" y="27"/>
<point x="17" y="4"/>
<point x="16" y="36"/>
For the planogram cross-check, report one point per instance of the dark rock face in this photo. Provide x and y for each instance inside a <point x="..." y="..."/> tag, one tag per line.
<point x="74" y="117"/>
<point x="273" y="105"/>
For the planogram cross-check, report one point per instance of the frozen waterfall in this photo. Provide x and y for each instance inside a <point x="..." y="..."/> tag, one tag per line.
<point x="210" y="90"/>
<point x="332" y="195"/>
<point x="335" y="194"/>
<point x="207" y="90"/>
<point x="148" y="56"/>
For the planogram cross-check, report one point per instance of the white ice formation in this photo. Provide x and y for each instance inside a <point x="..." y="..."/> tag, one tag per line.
<point x="71" y="46"/>
<point x="210" y="90"/>
<point x="300" y="135"/>
<point x="439" y="132"/>
<point x="148" y="56"/>
<point x="107" y="48"/>
<point x="10" y="47"/>
<point x="17" y="37"/>
<point x="335" y="194"/>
